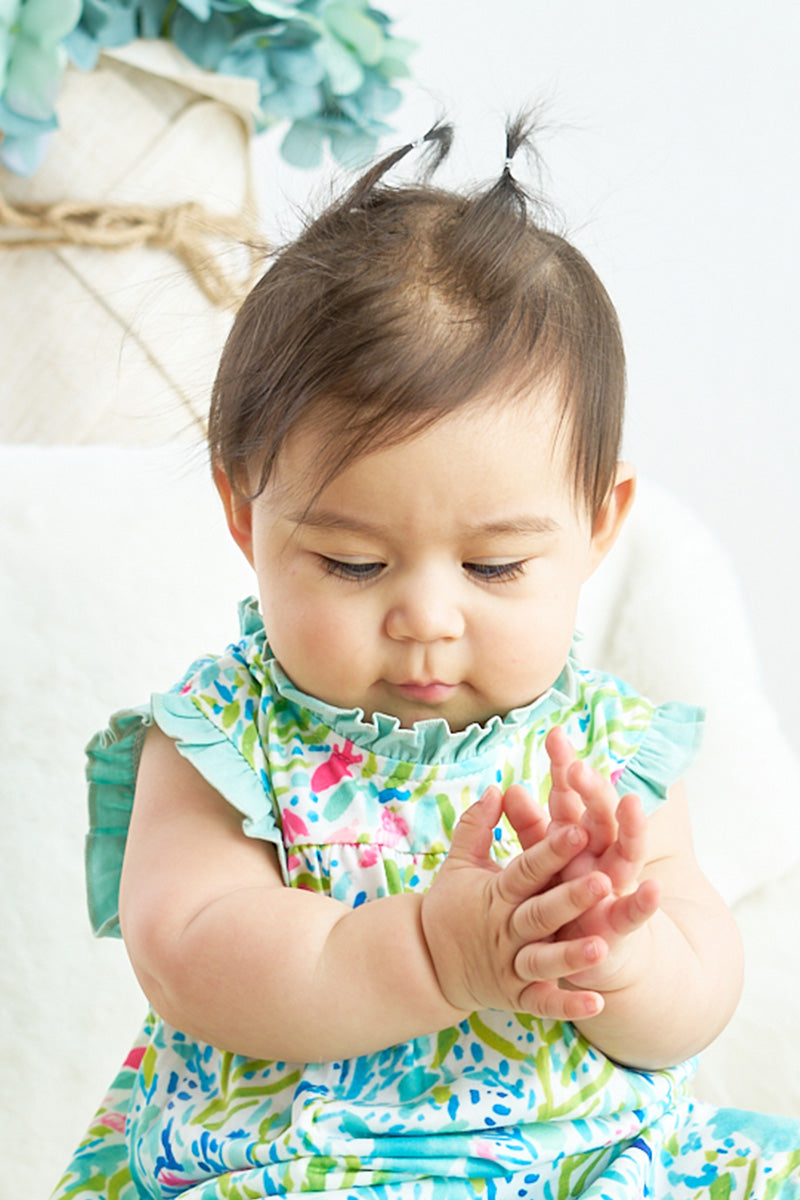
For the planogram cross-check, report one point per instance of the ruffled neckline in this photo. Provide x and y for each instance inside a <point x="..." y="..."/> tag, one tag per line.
<point x="426" y="741"/>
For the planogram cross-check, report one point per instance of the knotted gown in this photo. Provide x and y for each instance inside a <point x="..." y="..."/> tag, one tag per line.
<point x="501" y="1105"/>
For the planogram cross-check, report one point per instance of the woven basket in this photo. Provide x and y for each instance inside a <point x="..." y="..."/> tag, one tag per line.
<point x="120" y="345"/>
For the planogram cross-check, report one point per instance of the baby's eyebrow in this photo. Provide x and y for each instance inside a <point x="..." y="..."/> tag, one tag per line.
<point x="526" y="524"/>
<point x="321" y="518"/>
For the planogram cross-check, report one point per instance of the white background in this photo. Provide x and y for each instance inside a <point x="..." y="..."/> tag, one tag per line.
<point x="671" y="145"/>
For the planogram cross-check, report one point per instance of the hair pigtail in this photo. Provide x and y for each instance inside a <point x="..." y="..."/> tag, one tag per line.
<point x="436" y="142"/>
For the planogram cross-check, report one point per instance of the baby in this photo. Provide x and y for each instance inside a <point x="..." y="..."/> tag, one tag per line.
<point x="411" y="892"/>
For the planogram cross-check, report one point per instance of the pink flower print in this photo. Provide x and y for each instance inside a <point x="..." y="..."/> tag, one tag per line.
<point x="345" y="834"/>
<point x="369" y="856"/>
<point x="172" y="1179"/>
<point x="134" y="1059"/>
<point x="616" y="774"/>
<point x="336" y="768"/>
<point x="113" y="1120"/>
<point x="293" y="826"/>
<point x="394" y="827"/>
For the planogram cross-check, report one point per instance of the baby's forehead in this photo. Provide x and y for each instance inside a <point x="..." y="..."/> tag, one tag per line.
<point x="498" y="457"/>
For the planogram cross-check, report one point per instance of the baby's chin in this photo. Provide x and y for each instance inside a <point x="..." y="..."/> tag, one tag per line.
<point x="460" y="711"/>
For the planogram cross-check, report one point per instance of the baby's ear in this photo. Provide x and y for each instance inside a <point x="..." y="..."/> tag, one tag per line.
<point x="611" y="518"/>
<point x="238" y="513"/>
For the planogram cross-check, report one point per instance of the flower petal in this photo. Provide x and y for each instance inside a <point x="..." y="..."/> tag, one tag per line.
<point x="34" y="77"/>
<point x="302" y="145"/>
<point x="49" y="20"/>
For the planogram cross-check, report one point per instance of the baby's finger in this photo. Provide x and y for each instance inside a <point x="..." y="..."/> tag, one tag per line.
<point x="544" y="915"/>
<point x="631" y="831"/>
<point x="559" y="960"/>
<point x="553" y="1003"/>
<point x="564" y="803"/>
<point x="527" y="817"/>
<point x="600" y="802"/>
<point x="532" y="871"/>
<point x="473" y="835"/>
<point x="630" y="912"/>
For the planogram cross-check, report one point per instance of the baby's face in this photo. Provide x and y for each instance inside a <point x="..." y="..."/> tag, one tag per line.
<point x="434" y="578"/>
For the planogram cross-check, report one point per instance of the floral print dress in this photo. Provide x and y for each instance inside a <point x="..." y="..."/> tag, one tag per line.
<point x="503" y="1105"/>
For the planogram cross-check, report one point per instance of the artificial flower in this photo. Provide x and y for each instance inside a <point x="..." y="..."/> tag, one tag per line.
<point x="325" y="67"/>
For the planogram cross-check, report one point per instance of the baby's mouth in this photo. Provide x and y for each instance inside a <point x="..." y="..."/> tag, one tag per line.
<point x="432" y="692"/>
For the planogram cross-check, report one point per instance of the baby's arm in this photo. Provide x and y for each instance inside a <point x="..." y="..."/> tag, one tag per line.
<point x="227" y="953"/>
<point x="673" y="974"/>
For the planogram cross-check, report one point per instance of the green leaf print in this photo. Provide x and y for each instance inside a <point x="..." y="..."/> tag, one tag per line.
<point x="308" y="882"/>
<point x="590" y="1091"/>
<point x="229" y="1187"/>
<point x="370" y="766"/>
<point x="316" y="1171"/>
<point x="445" y="1040"/>
<point x="720" y="1189"/>
<point x="491" y="1038"/>
<point x="230" y="714"/>
<point x="249" y="742"/>
<point x="394" y="883"/>
<point x="432" y="860"/>
<point x="447" y="813"/>
<point x="774" y="1190"/>
<point x="399" y="775"/>
<point x="149" y="1065"/>
<point x="591" y="1163"/>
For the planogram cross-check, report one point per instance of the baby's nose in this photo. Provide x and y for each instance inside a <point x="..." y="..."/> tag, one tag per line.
<point x="425" y="614"/>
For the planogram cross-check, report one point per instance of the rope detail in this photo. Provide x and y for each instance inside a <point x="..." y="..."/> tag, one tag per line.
<point x="186" y="230"/>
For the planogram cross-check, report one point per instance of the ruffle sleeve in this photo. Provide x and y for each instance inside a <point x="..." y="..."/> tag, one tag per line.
<point x="112" y="766"/>
<point x="665" y="753"/>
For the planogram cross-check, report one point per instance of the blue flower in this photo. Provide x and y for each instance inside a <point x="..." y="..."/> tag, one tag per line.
<point x="324" y="66"/>
<point x="32" y="61"/>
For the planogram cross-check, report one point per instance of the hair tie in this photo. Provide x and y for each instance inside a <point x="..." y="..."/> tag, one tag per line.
<point x="508" y="161"/>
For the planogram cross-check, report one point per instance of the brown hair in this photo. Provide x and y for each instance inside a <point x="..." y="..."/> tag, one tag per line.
<point x="399" y="304"/>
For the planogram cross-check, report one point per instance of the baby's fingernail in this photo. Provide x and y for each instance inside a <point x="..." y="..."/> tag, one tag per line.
<point x="574" y="835"/>
<point x="596" y="886"/>
<point x="591" y="951"/>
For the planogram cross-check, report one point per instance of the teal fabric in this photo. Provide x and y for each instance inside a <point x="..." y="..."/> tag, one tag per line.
<point x="111" y="769"/>
<point x="671" y="745"/>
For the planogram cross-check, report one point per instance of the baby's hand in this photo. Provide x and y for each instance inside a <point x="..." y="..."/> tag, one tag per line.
<point x="616" y="845"/>
<point x="491" y="931"/>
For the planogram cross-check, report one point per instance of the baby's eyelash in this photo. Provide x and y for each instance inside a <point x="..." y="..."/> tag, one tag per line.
<point x="496" y="572"/>
<point x="360" y="572"/>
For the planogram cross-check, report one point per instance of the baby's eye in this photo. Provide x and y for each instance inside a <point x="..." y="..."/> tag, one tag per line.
<point x="358" y="571"/>
<point x="496" y="572"/>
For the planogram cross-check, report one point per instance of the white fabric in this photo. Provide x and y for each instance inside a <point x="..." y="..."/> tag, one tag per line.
<point x="116" y="570"/>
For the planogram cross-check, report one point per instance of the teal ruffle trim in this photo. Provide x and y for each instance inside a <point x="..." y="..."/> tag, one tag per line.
<point x="221" y="764"/>
<point x="668" y="749"/>
<point x="426" y="741"/>
<point x="113" y="763"/>
<point x="111" y="769"/>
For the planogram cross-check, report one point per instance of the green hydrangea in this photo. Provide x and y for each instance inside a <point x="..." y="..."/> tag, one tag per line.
<point x="327" y="68"/>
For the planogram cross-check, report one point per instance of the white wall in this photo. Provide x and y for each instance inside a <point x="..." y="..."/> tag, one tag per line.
<point x="672" y="149"/>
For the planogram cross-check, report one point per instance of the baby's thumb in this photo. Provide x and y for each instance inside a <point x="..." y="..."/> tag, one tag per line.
<point x="474" y="833"/>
